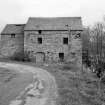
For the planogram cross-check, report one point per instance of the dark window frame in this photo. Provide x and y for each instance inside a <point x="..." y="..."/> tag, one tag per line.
<point x="61" y="56"/>
<point x="65" y="40"/>
<point x="39" y="39"/>
<point x="13" y="35"/>
<point x="40" y="31"/>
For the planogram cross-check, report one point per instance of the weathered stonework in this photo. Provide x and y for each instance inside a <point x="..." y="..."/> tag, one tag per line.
<point x="51" y="33"/>
<point x="10" y="46"/>
<point x="52" y="44"/>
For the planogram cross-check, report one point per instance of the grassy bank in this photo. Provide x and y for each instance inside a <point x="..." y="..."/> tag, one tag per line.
<point x="76" y="87"/>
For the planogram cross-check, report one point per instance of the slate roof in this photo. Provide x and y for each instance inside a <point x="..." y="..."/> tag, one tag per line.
<point x="59" y="23"/>
<point x="13" y="28"/>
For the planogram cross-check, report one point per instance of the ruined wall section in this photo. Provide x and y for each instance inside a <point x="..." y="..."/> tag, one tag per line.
<point x="11" y="45"/>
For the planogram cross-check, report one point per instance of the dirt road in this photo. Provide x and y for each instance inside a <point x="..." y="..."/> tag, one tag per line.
<point x="42" y="91"/>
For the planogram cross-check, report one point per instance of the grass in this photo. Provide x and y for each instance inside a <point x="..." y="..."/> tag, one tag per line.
<point x="76" y="87"/>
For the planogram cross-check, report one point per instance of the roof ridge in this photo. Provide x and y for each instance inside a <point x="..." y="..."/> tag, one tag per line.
<point x="15" y="24"/>
<point x="78" y="17"/>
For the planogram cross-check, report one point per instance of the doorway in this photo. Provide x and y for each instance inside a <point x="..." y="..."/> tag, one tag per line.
<point x="40" y="57"/>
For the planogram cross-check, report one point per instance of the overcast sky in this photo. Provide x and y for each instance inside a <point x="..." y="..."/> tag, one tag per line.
<point x="18" y="11"/>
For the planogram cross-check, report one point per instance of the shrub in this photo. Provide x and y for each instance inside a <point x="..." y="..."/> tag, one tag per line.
<point x="69" y="66"/>
<point x="27" y="56"/>
<point x="66" y="67"/>
<point x="18" y="56"/>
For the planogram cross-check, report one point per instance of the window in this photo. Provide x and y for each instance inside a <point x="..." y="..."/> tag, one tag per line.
<point x="65" y="40"/>
<point x="18" y="25"/>
<point x="78" y="36"/>
<point x="39" y="40"/>
<point x="39" y="31"/>
<point x="61" y="56"/>
<point x="12" y="35"/>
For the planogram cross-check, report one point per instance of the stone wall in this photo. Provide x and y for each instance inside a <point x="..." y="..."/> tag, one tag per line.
<point x="11" y="45"/>
<point x="75" y="52"/>
<point x="52" y="43"/>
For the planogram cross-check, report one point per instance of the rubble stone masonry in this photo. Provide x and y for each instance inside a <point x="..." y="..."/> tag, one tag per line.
<point x="45" y="40"/>
<point x="11" y="45"/>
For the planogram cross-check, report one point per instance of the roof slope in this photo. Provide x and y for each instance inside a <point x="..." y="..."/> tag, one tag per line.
<point x="13" y="28"/>
<point x="59" y="23"/>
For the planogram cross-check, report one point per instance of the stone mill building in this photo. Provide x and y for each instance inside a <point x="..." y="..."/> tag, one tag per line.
<point x="43" y="39"/>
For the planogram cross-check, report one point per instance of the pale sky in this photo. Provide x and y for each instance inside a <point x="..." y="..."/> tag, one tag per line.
<point x="18" y="11"/>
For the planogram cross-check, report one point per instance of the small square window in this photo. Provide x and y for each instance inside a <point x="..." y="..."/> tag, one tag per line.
<point x="39" y="31"/>
<point x="39" y="40"/>
<point x="12" y="35"/>
<point x="65" y="40"/>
